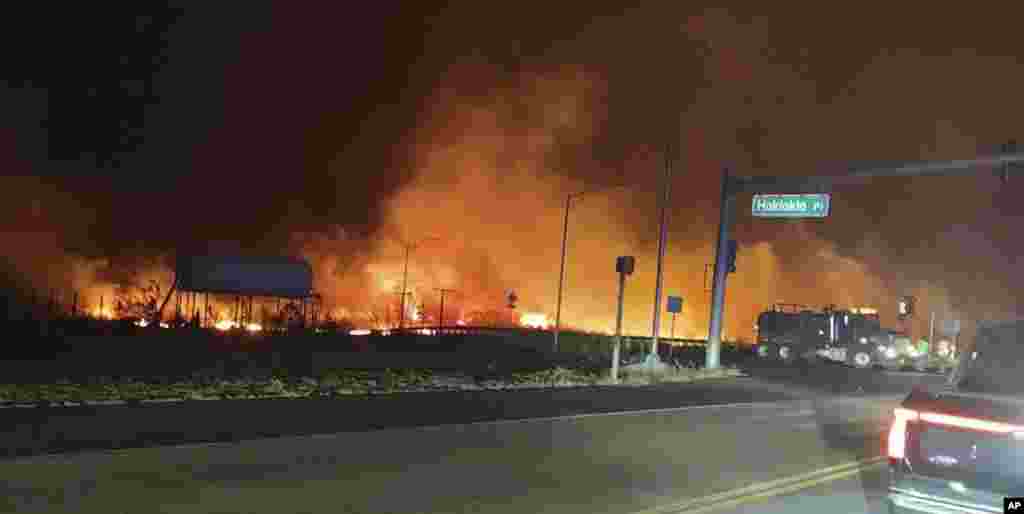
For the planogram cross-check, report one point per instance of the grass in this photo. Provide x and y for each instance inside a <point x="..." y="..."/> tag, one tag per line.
<point x="330" y="383"/>
<point x="673" y="375"/>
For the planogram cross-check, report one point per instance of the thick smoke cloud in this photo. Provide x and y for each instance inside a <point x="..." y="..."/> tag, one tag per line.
<point x="341" y="138"/>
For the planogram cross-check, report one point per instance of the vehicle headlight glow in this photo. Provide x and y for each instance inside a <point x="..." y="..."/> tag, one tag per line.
<point x="913" y="353"/>
<point x="890" y="353"/>
<point x="863" y="340"/>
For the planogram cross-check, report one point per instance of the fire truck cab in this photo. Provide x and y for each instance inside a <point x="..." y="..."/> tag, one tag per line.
<point x="855" y="336"/>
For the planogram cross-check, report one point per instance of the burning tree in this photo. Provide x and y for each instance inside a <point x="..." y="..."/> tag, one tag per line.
<point x="141" y="302"/>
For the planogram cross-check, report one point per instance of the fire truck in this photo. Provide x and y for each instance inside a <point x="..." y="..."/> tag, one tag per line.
<point x="855" y="336"/>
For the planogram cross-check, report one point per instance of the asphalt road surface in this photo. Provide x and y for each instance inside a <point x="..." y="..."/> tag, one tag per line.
<point x="861" y="493"/>
<point x="606" y="463"/>
<point x="773" y="442"/>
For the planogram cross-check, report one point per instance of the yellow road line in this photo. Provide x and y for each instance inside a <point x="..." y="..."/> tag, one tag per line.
<point x="763" y="490"/>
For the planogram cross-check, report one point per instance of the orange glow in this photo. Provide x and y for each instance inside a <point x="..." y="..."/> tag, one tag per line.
<point x="254" y="327"/>
<point x="359" y="332"/>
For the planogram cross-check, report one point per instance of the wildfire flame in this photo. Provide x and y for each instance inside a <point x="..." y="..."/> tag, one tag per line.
<point x="534" y="320"/>
<point x="225" y="325"/>
<point x="143" y="323"/>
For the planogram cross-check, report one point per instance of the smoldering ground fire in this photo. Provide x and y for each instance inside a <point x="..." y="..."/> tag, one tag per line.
<point x="478" y="144"/>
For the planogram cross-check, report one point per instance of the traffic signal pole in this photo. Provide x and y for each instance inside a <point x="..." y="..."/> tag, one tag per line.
<point x="712" y="356"/>
<point x="733" y="185"/>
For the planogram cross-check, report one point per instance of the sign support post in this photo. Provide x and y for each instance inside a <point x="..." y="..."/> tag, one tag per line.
<point x="714" y="346"/>
<point x="624" y="266"/>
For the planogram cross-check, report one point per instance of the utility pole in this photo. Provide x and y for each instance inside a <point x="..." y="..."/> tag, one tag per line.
<point x="440" y="318"/>
<point x="405" y="276"/>
<point x="405" y="281"/>
<point x="655" y="329"/>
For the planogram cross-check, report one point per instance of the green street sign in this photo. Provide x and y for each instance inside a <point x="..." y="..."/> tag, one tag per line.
<point x="791" y="206"/>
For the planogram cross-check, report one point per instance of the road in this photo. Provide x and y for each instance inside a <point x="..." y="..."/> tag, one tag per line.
<point x="862" y="493"/>
<point x="606" y="463"/>
<point x="660" y="449"/>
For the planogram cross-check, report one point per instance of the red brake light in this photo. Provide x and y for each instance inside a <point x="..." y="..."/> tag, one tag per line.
<point x="980" y="425"/>
<point x="898" y="432"/>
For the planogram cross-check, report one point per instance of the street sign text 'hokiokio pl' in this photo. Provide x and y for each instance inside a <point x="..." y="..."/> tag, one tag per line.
<point x="791" y="206"/>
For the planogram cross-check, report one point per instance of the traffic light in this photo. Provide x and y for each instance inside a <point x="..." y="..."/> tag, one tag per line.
<point x="906" y="307"/>
<point x="625" y="264"/>
<point x="731" y="250"/>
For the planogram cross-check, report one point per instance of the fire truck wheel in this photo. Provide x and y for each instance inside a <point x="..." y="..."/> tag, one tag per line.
<point x="861" y="359"/>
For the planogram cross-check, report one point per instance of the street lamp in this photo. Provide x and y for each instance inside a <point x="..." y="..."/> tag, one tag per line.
<point x="405" y="275"/>
<point x="565" y="237"/>
<point x="561" y="270"/>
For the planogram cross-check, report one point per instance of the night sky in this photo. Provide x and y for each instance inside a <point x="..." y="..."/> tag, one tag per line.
<point x="337" y="132"/>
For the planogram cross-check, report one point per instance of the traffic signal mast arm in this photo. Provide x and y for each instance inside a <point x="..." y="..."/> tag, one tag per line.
<point x="1000" y="164"/>
<point x="824" y="183"/>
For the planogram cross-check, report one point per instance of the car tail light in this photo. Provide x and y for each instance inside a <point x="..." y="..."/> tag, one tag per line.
<point x="898" y="432"/>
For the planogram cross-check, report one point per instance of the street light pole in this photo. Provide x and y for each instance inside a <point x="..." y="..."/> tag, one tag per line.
<point x="561" y="270"/>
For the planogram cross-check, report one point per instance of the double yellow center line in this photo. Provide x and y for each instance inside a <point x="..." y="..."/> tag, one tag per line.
<point x="764" y="490"/>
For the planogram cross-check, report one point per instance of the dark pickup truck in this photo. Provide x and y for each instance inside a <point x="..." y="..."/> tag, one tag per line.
<point x="960" y="449"/>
